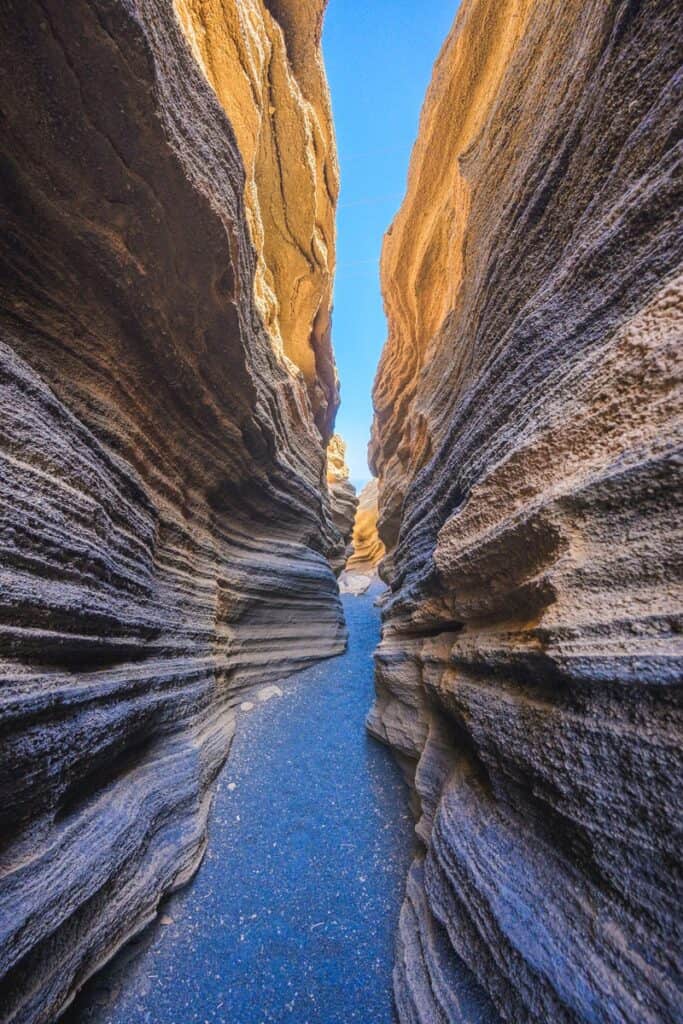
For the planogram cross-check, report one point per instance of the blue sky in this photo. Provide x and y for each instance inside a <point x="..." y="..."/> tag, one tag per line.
<point x="379" y="56"/>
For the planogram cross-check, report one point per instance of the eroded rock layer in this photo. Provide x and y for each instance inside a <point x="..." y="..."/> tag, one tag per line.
<point x="263" y="59"/>
<point x="343" y="499"/>
<point x="527" y="440"/>
<point x="165" y="524"/>
<point x="367" y="549"/>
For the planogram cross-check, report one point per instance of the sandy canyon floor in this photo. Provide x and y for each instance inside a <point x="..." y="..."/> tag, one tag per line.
<point x="292" y="916"/>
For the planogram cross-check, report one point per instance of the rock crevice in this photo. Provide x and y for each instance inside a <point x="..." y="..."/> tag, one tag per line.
<point x="367" y="549"/>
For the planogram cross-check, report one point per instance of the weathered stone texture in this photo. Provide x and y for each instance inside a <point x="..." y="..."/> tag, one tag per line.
<point x="263" y="59"/>
<point x="343" y="499"/>
<point x="165" y="525"/>
<point x="527" y="441"/>
<point x="368" y="549"/>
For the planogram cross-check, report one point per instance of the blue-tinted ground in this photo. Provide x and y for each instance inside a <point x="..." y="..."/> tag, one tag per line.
<point x="293" y="914"/>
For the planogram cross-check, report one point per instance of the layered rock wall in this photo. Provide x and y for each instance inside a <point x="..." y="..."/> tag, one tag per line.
<point x="165" y="524"/>
<point x="368" y="549"/>
<point x="343" y="499"/>
<point x="527" y="441"/>
<point x="263" y="59"/>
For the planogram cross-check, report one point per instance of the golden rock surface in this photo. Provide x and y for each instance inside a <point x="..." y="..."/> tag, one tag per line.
<point x="368" y="549"/>
<point x="337" y="469"/>
<point x="343" y="499"/>
<point x="423" y="253"/>
<point x="264" y="62"/>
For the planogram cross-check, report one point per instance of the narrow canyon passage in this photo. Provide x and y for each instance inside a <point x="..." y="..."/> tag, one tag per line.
<point x="205" y="247"/>
<point x="293" y="913"/>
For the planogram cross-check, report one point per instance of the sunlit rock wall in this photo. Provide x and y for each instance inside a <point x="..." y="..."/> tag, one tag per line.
<point x="343" y="499"/>
<point x="263" y="59"/>
<point x="368" y="549"/>
<point x="527" y="441"/>
<point x="165" y="525"/>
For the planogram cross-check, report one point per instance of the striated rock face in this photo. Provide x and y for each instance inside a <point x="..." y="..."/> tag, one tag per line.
<point x="367" y="549"/>
<point x="165" y="525"/>
<point x="263" y="59"/>
<point x="343" y="498"/>
<point x="526" y="439"/>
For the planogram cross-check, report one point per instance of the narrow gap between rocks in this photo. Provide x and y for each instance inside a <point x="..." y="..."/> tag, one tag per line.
<point x="293" y="914"/>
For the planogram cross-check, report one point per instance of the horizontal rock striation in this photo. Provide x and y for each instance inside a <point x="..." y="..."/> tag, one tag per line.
<point x="165" y="524"/>
<point x="343" y="499"/>
<point x="527" y="441"/>
<point x="367" y="549"/>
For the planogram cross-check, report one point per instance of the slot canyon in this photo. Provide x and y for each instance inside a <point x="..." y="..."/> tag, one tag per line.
<point x="206" y="627"/>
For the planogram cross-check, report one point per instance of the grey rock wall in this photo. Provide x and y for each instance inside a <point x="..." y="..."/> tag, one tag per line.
<point x="165" y="526"/>
<point x="527" y="441"/>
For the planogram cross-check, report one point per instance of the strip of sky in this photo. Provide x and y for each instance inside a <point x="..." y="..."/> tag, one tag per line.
<point x="379" y="59"/>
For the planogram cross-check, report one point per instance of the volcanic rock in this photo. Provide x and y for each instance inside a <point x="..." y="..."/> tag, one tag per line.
<point x="165" y="523"/>
<point x="343" y="499"/>
<point x="527" y="442"/>
<point x="367" y="548"/>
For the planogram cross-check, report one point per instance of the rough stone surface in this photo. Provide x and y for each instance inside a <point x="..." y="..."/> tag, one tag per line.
<point x="527" y="442"/>
<point x="165" y="525"/>
<point x="367" y="549"/>
<point x="343" y="497"/>
<point x="263" y="59"/>
<point x="354" y="583"/>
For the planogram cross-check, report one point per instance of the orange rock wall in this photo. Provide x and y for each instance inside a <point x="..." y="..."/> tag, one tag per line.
<point x="166" y="531"/>
<point x="368" y="549"/>
<point x="263" y="59"/>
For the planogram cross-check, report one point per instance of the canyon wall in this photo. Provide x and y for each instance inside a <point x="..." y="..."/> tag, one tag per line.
<point x="343" y="500"/>
<point x="263" y="59"/>
<point x="527" y="442"/>
<point x="165" y="523"/>
<point x="366" y="548"/>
